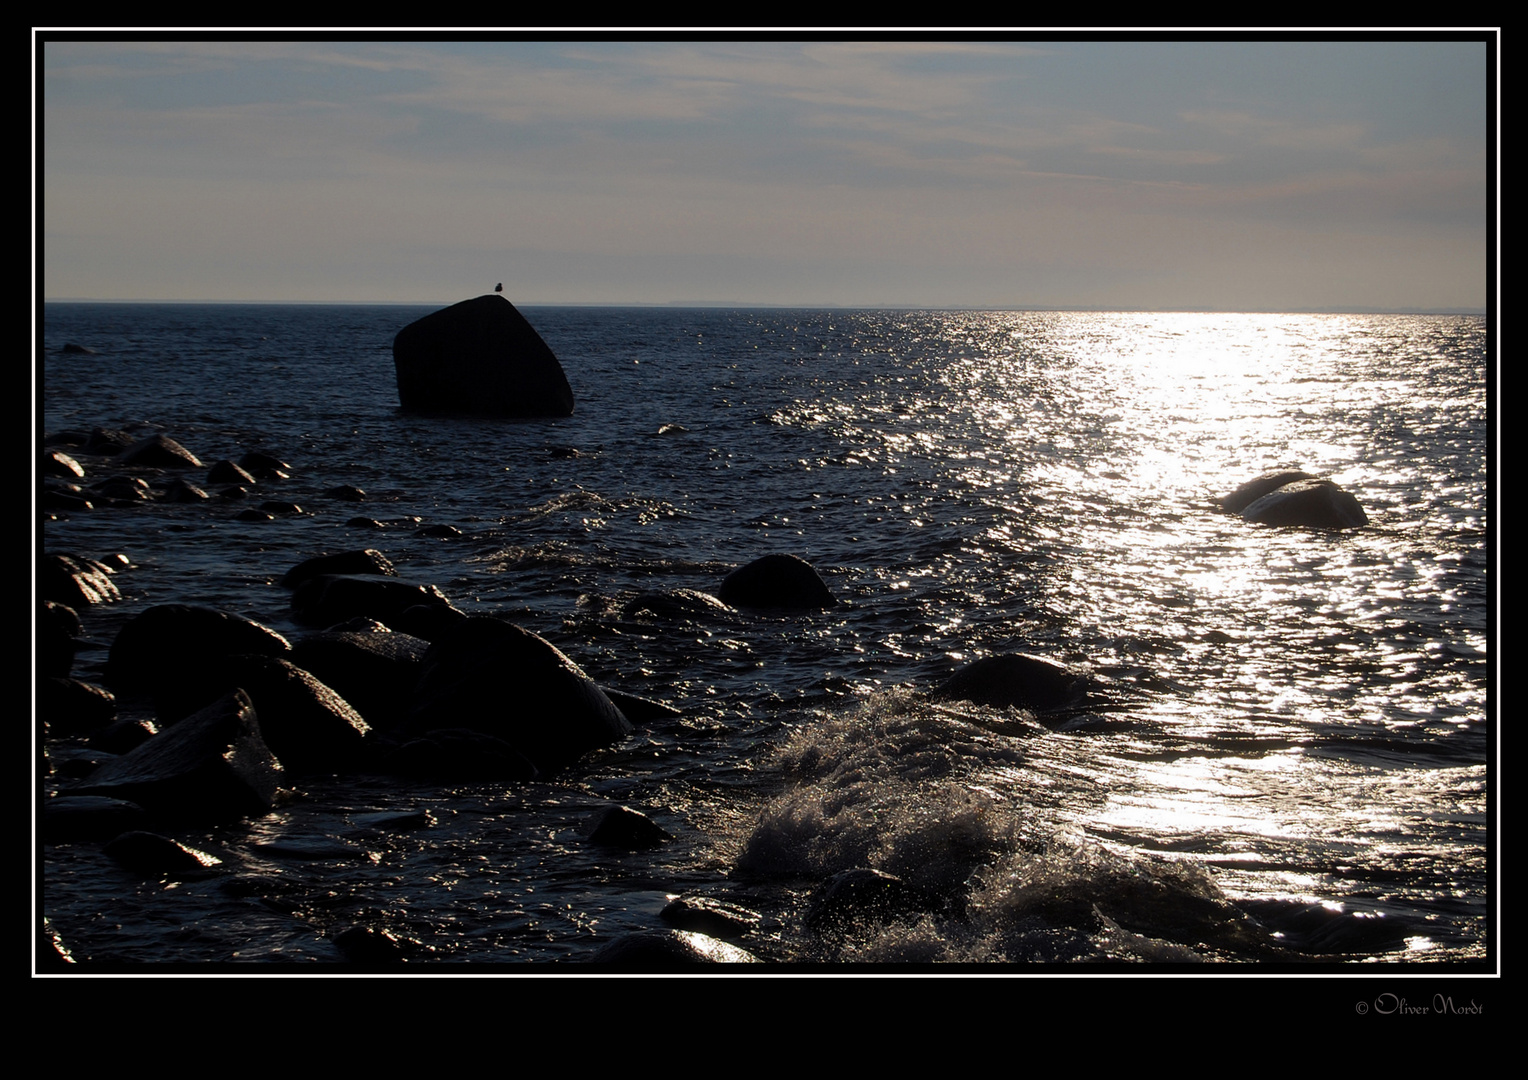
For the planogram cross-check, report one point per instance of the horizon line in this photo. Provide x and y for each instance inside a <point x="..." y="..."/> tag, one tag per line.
<point x="755" y="305"/>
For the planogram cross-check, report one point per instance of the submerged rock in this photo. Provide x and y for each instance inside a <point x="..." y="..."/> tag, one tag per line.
<point x="1316" y="504"/>
<point x="1292" y="497"/>
<point x="1016" y="680"/>
<point x="663" y="949"/>
<point x="777" y="581"/>
<point x="479" y="358"/>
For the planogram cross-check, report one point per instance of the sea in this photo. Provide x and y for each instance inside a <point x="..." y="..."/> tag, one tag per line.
<point x="1284" y="761"/>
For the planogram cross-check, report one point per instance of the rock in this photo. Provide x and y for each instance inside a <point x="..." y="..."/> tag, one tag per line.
<point x="1256" y="488"/>
<point x="503" y="681"/>
<point x="154" y="649"/>
<point x="58" y="463"/>
<point x="309" y="727"/>
<point x="1014" y="680"/>
<point x="159" y="451"/>
<point x="183" y="491"/>
<point x="665" y="949"/>
<point x="623" y="827"/>
<point x="707" y="915"/>
<point x="158" y="856"/>
<point x="75" y="581"/>
<point x="374" y="671"/>
<point x="69" y="818"/>
<point x="72" y="707"/>
<point x="1316" y="504"/>
<point x="369" y="561"/>
<point x="212" y="767"/>
<point x="265" y="466"/>
<point x="678" y="605"/>
<point x="862" y="896"/>
<point x="776" y="581"/>
<point x="57" y="628"/>
<point x="326" y="599"/>
<point x="479" y="358"/>
<point x="226" y="472"/>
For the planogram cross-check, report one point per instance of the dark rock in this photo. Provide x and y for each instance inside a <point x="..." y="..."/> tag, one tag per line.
<point x="373" y="945"/>
<point x="1016" y="680"/>
<point x="265" y="466"/>
<point x="439" y="530"/>
<point x="72" y="707"/>
<point x="345" y="493"/>
<point x="1257" y="487"/>
<point x="428" y="621"/>
<point x="623" y="827"/>
<point x="57" y="628"/>
<point x="776" y="581"/>
<point x="707" y="915"/>
<point x="69" y="818"/>
<point x="856" y="897"/>
<point x="58" y="463"/>
<point x="369" y="561"/>
<point x="326" y="599"/>
<point x="107" y="442"/>
<point x="183" y="491"/>
<point x="480" y="358"/>
<point x="212" y="767"/>
<point x="156" y="647"/>
<point x="66" y="497"/>
<point x="71" y="347"/>
<point x="662" y="950"/>
<point x="641" y="710"/>
<point x="75" y="581"/>
<point x="496" y="678"/>
<point x="1316" y="504"/>
<point x="677" y="605"/>
<point x="158" y="856"/>
<point x="226" y="472"/>
<point x="277" y="506"/>
<point x="375" y="672"/>
<point x="309" y="727"/>
<point x="122" y="736"/>
<point x="159" y="451"/>
<point x="122" y="489"/>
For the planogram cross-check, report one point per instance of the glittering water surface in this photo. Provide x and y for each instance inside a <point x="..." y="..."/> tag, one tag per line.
<point x="1285" y="754"/>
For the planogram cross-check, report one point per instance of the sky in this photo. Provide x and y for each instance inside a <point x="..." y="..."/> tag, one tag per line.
<point x="1251" y="175"/>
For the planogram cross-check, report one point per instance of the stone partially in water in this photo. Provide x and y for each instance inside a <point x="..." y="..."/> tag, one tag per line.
<point x="479" y="358"/>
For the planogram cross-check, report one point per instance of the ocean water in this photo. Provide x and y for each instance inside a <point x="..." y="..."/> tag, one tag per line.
<point x="1283" y="759"/>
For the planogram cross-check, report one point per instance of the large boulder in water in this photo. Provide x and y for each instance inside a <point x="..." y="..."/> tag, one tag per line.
<point x="495" y="678"/>
<point x="479" y="358"/>
<point x="1017" y="680"/>
<point x="777" y="581"/>
<point x="1317" y="504"/>
<point x="213" y="766"/>
<point x="1254" y="489"/>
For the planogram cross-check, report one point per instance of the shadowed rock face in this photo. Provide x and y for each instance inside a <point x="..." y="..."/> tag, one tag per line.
<point x="500" y="680"/>
<point x="1025" y="682"/>
<point x="479" y="358"/>
<point x="1318" y="504"/>
<point x="1256" y="488"/>
<point x="777" y="581"/>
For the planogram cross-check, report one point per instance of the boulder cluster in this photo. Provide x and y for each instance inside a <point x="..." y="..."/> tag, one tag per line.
<point x="1292" y="497"/>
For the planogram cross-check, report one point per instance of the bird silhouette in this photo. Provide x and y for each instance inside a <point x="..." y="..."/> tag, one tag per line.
<point x="499" y="287"/>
